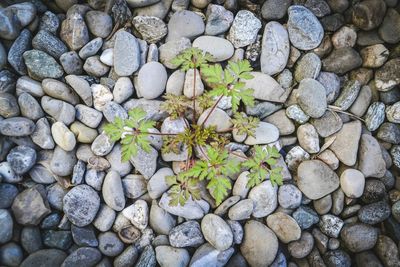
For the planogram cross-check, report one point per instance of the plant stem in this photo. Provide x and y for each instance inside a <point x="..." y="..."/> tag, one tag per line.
<point x="162" y="134"/>
<point x="211" y="111"/>
<point x="337" y="109"/>
<point x="194" y="94"/>
<point x="237" y="155"/>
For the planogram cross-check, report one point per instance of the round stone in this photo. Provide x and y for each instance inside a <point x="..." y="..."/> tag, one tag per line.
<point x="217" y="232"/>
<point x="21" y="159"/>
<point x="152" y="88"/>
<point x="311" y="97"/>
<point x="219" y="48"/>
<point x="352" y="183"/>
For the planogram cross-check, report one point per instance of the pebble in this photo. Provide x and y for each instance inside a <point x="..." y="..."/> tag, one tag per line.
<point x="84" y="236"/>
<point x="218" y="20"/>
<point x="284" y="226"/>
<point x="170" y="256"/>
<point x="346" y="148"/>
<point x="331" y="83"/>
<point x="10" y="25"/>
<point x="71" y="63"/>
<point x="186" y="24"/>
<point x="221" y="49"/>
<point x="83" y="256"/>
<point x="123" y="89"/>
<point x="265" y="133"/>
<point x="93" y="66"/>
<point x="359" y="237"/>
<point x="374" y="56"/>
<point x="207" y="254"/>
<point x="374" y="213"/>
<point x="389" y="29"/>
<point x="74" y="31"/>
<point x="352" y="183"/>
<point x="387" y="251"/>
<point x="21" y="159"/>
<point x="265" y="199"/>
<point x="157" y="184"/>
<point x="254" y="249"/>
<point x="344" y="37"/>
<point x="386" y="77"/>
<point x="331" y="225"/>
<point x="301" y="248"/>
<point x="389" y="132"/>
<point x="91" y="48"/>
<point x="312" y="98"/>
<point x="304" y="34"/>
<point x="99" y="23"/>
<point x="282" y="122"/>
<point x="81" y="88"/>
<point x="105" y="218"/>
<point x="369" y="14"/>
<point x="62" y="136"/>
<point x="295" y="112"/>
<point x="323" y="205"/>
<point x="49" y="43"/>
<point x="217" y="232"/>
<point x="9" y="107"/>
<point x="112" y="191"/>
<point x="6" y="230"/>
<point x="101" y="96"/>
<point x="308" y="66"/>
<point x="305" y="217"/>
<point x="360" y="105"/>
<point x="7" y="194"/>
<point x="187" y="234"/>
<point x="62" y="162"/>
<point x="218" y="118"/>
<point x="134" y="185"/>
<point x="274" y="9"/>
<point x="338" y="257"/>
<point x="308" y="138"/>
<point x="109" y="244"/>
<point x="375" y="116"/>
<point x="126" y="54"/>
<point x="40" y="65"/>
<point x="265" y="87"/>
<point x="45" y="257"/>
<point x="342" y="60"/>
<point x="152" y="88"/>
<point x="241" y="210"/>
<point x="371" y="162"/>
<point x="30" y="206"/>
<point x="49" y="22"/>
<point x="11" y="254"/>
<point x="89" y="116"/>
<point x="18" y="48"/>
<point x="328" y="124"/>
<point x="171" y="49"/>
<point x="81" y="204"/>
<point x="244" y="29"/>
<point x="141" y="3"/>
<point x="191" y="209"/>
<point x="289" y="196"/>
<point x="29" y="107"/>
<point x="151" y="29"/>
<point x="316" y="179"/>
<point x="275" y="48"/>
<point x="145" y="162"/>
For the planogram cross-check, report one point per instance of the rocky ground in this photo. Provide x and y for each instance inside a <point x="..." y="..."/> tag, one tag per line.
<point x="326" y="80"/>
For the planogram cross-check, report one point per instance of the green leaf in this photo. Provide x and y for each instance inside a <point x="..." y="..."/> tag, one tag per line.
<point x="218" y="188"/>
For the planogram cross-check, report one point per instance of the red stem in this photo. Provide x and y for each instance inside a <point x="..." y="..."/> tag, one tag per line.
<point x="194" y="95"/>
<point x="212" y="109"/>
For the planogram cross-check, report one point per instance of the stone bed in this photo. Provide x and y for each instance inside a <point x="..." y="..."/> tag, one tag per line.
<point x="326" y="78"/>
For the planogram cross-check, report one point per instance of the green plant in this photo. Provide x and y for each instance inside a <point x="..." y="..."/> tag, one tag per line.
<point x="207" y="160"/>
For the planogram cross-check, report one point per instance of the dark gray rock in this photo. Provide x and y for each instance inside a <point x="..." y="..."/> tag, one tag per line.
<point x="342" y="60"/>
<point x="109" y="244"/>
<point x="7" y="194"/>
<point x="49" y="43"/>
<point x="51" y="221"/>
<point x="187" y="234"/>
<point x="368" y="14"/>
<point x="49" y="22"/>
<point x="359" y="237"/>
<point x="147" y="258"/>
<point x="45" y="258"/>
<point x="305" y="217"/>
<point x="20" y="45"/>
<point x="31" y="239"/>
<point x="337" y="258"/>
<point x="71" y="63"/>
<point x="374" y="213"/>
<point x="8" y="105"/>
<point x="30" y="107"/>
<point x="11" y="254"/>
<point x="9" y="24"/>
<point x="82" y="257"/>
<point x="21" y="159"/>
<point x="374" y="191"/>
<point x="84" y="236"/>
<point x="57" y="239"/>
<point x="40" y="65"/>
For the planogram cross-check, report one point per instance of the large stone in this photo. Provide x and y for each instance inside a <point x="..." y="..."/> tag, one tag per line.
<point x="218" y="19"/>
<point x="265" y="87"/>
<point x="219" y="48"/>
<point x="316" y="179"/>
<point x="265" y="133"/>
<point x="244" y="29"/>
<point x="359" y="237"/>
<point x="284" y="226"/>
<point x="151" y="29"/>
<point x="342" y="60"/>
<point x="169" y="256"/>
<point x="113" y="192"/>
<point x="305" y="31"/>
<point x="171" y="49"/>
<point x="207" y="255"/>
<point x="254" y="248"/>
<point x="186" y="24"/>
<point x="126" y="54"/>
<point x="311" y="97"/>
<point x="368" y="14"/>
<point x="388" y="76"/>
<point x="275" y="48"/>
<point x="45" y="258"/>
<point x="191" y="210"/>
<point x="371" y="162"/>
<point x="20" y="45"/>
<point x="40" y="65"/>
<point x="265" y="199"/>
<point x="217" y="232"/>
<point x="151" y="88"/>
<point x="187" y="234"/>
<point x="74" y="31"/>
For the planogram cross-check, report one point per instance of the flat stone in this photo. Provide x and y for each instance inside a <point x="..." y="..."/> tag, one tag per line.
<point x="218" y="118"/>
<point x="328" y="124"/>
<point x="208" y="255"/>
<point x="74" y="31"/>
<point x="185" y="24"/>
<point x="40" y="65"/>
<point x="371" y="162"/>
<point x="265" y="87"/>
<point x="91" y="48"/>
<point x="16" y="126"/>
<point x="219" y="48"/>
<point x="284" y="226"/>
<point x="81" y="87"/>
<point x="126" y="54"/>
<point x="265" y="133"/>
<point x="217" y="232"/>
<point x="342" y="60"/>
<point x="316" y="179"/>
<point x="387" y="76"/>
<point x="151" y="29"/>
<point x="83" y="256"/>
<point x="359" y="237"/>
<point x="99" y="23"/>
<point x="8" y="105"/>
<point x="110" y="245"/>
<point x="218" y="19"/>
<point x="30" y="107"/>
<point x="187" y="234"/>
<point x="311" y="97"/>
<point x="374" y="213"/>
<point x="71" y="63"/>
<point x="265" y="199"/>
<point x="191" y="210"/>
<point x="160" y="220"/>
<point x="10" y="25"/>
<point x="21" y="159"/>
<point x="45" y="258"/>
<point x="151" y="88"/>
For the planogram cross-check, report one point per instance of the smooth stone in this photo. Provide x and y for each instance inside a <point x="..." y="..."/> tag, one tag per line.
<point x="123" y="89"/>
<point x="254" y="249"/>
<point x="393" y="113"/>
<point x="265" y="87"/>
<point x="8" y="192"/>
<point x="113" y="192"/>
<point x="145" y="162"/>
<point x="282" y="122"/>
<point x="11" y="254"/>
<point x="101" y="96"/>
<point x="169" y="256"/>
<point x="331" y="83"/>
<point x="105" y="218"/>
<point x="8" y="174"/>
<point x="99" y="23"/>
<point x="274" y="9"/>
<point x="308" y="66"/>
<point x="371" y="162"/>
<point x="42" y="134"/>
<point x="308" y="138"/>
<point x="129" y="255"/>
<point x="8" y="105"/>
<point x="126" y="54"/>
<point x="218" y="118"/>
<point x="94" y="67"/>
<point x="323" y="205"/>
<point x="62" y="136"/>
<point x="171" y="49"/>
<point x="30" y="206"/>
<point x="265" y="133"/>
<point x="352" y="183"/>
<point x="295" y="113"/>
<point x="40" y="65"/>
<point x="141" y="3"/>
<point x="374" y="213"/>
<point x="160" y="220"/>
<point x="57" y="239"/>
<point x="113" y="110"/>
<point x="59" y="90"/>
<point x="316" y="179"/>
<point x="71" y="63"/>
<point x="375" y="116"/>
<point x="305" y="31"/>
<point x="374" y="56"/>
<point x="10" y="24"/>
<point x="389" y="29"/>
<point x="193" y="80"/>
<point x="185" y="24"/>
<point x="219" y="48"/>
<point x="114" y="158"/>
<point x="289" y="196"/>
<point x="241" y="210"/>
<point x="18" y="48"/>
<point x="218" y="20"/>
<point x="360" y="105"/>
<point x="3" y="57"/>
<point x="284" y="226"/>
<point x="244" y="29"/>
<point x="305" y="217"/>
<point x="83" y="256"/>
<point x="30" y="107"/>
<point x="81" y="88"/>
<point x="301" y="248"/>
<point x="265" y="199"/>
<point x="328" y="124"/>
<point x="389" y="132"/>
<point x="151" y="29"/>
<point x="89" y="116"/>
<point x="387" y="77"/>
<point x="81" y="204"/>
<point x="344" y="37"/>
<point x="157" y="184"/>
<point x="346" y="148"/>
<point x="387" y="250"/>
<point x="109" y="244"/>
<point x="342" y="60"/>
<point x="84" y="236"/>
<point x="337" y="257"/>
<point x="74" y="31"/>
<point x="45" y="258"/>
<point x="368" y="14"/>
<point x="191" y="210"/>
<point x="359" y="237"/>
<point x="348" y="95"/>
<point x="21" y="159"/>
<point x="311" y="97"/>
<point x="6" y="230"/>
<point x="62" y="162"/>
<point x="217" y="232"/>
<point x="49" y="43"/>
<point x="134" y="185"/>
<point x="151" y="88"/>
<point x="207" y="255"/>
<point x="91" y="48"/>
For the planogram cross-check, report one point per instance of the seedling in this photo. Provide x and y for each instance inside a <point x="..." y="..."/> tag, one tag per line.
<point x="208" y="160"/>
